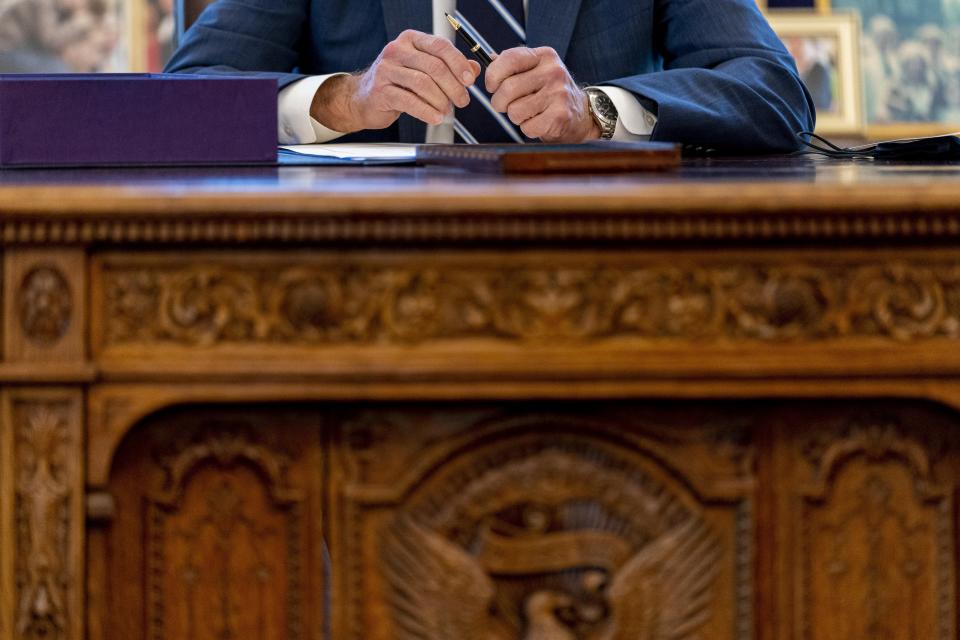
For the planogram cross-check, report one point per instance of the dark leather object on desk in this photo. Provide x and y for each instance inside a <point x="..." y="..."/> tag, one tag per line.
<point x="937" y="148"/>
<point x="932" y="149"/>
<point x="593" y="157"/>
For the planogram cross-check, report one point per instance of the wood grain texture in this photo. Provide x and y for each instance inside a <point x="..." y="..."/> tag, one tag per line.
<point x="226" y="508"/>
<point x="728" y="397"/>
<point x="875" y="524"/>
<point x="8" y="544"/>
<point x="457" y="198"/>
<point x="545" y="515"/>
<point x="771" y="199"/>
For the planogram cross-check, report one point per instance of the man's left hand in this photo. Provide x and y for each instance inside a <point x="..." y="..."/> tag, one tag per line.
<point x="535" y="90"/>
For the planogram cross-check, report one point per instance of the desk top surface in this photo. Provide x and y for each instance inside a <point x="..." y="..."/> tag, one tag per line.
<point x="843" y="197"/>
<point x="802" y="179"/>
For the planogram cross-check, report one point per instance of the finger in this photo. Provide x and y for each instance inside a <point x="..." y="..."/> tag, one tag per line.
<point x="438" y="70"/>
<point x="399" y="99"/>
<point x="442" y="48"/>
<point x="422" y="85"/>
<point x="548" y="124"/>
<point x="548" y="53"/>
<point x="519" y="86"/>
<point x="509" y="63"/>
<point x="528" y="107"/>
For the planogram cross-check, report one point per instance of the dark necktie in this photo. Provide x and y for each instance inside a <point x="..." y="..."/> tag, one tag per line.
<point x="497" y="25"/>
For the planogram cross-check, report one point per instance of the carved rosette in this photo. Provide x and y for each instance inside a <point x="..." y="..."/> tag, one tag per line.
<point x="365" y="302"/>
<point x="46" y="454"/>
<point x="45" y="305"/>
<point x="878" y="534"/>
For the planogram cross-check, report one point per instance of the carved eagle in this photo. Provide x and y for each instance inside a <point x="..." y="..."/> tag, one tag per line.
<point x="438" y="591"/>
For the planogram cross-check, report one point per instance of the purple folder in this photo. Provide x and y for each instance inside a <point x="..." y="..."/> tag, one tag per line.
<point x="136" y="119"/>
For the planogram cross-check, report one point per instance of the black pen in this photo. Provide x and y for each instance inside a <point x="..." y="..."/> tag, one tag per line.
<point x="483" y="57"/>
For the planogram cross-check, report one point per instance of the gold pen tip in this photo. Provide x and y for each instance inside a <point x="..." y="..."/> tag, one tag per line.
<point x="453" y="21"/>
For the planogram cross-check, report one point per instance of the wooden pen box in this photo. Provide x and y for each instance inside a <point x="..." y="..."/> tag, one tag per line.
<point x="593" y="157"/>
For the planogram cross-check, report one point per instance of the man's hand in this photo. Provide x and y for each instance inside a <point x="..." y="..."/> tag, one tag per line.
<point x="535" y="90"/>
<point x="418" y="74"/>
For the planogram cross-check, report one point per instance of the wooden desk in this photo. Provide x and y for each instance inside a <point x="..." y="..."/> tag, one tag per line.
<point x="714" y="404"/>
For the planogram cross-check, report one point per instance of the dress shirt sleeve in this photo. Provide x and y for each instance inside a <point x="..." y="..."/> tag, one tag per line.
<point x="635" y="123"/>
<point x="296" y="126"/>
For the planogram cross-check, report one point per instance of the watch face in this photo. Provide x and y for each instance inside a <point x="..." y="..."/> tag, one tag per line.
<point x="604" y="107"/>
<point x="604" y="112"/>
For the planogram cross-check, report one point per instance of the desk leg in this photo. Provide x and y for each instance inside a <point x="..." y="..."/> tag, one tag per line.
<point x="42" y="514"/>
<point x="41" y="444"/>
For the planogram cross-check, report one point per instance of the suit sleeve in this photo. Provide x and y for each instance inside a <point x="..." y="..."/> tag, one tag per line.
<point x="252" y="37"/>
<point x="727" y="82"/>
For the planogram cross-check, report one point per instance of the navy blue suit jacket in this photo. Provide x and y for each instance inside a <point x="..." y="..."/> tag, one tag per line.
<point x="712" y="70"/>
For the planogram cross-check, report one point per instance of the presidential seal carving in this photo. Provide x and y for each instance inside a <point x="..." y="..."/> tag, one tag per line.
<point x="560" y="541"/>
<point x="46" y="305"/>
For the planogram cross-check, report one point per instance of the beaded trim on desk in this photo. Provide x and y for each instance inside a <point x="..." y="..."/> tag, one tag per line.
<point x="528" y="228"/>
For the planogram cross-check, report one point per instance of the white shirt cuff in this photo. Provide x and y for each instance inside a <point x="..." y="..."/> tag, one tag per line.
<point x="296" y="126"/>
<point x="635" y="123"/>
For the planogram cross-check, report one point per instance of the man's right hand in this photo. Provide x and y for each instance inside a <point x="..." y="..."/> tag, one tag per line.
<point x="418" y="74"/>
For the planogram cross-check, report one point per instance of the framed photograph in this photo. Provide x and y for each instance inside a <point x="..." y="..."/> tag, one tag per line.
<point x="153" y="26"/>
<point x="826" y="49"/>
<point x="64" y="36"/>
<point x="911" y="65"/>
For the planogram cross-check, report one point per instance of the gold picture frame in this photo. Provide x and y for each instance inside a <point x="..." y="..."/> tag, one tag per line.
<point x="883" y="88"/>
<point x="151" y="29"/>
<point x="826" y="47"/>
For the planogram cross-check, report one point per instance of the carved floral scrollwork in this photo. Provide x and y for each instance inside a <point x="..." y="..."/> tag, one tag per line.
<point x="783" y="302"/>
<point x="906" y="302"/>
<point x="43" y="497"/>
<point x="664" y="302"/>
<point x="45" y="305"/>
<point x="366" y="303"/>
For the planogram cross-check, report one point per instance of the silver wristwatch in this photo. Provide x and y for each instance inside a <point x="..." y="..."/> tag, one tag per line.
<point x="603" y="112"/>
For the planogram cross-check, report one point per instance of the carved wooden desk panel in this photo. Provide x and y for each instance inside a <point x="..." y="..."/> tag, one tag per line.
<point x="398" y="404"/>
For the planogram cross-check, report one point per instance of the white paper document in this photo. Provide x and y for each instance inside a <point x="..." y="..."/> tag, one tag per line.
<point x="369" y="151"/>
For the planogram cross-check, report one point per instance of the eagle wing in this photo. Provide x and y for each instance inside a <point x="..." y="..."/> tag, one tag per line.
<point x="437" y="591"/>
<point x="664" y="591"/>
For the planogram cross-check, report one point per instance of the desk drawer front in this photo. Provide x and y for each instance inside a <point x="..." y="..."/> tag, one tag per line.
<point x="476" y="313"/>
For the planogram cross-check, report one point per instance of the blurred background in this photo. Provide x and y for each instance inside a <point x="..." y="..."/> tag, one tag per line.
<point x="909" y="61"/>
<point x="85" y="36"/>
